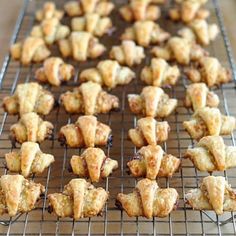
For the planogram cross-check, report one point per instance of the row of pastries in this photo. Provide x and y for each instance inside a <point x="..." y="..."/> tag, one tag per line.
<point x="173" y="56"/>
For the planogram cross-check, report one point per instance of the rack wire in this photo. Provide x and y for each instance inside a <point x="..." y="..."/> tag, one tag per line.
<point x="183" y="221"/>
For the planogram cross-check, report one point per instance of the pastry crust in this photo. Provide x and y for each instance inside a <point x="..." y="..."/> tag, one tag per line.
<point x="209" y="121"/>
<point x="81" y="46"/>
<point x="93" y="163"/>
<point x="108" y="73"/>
<point x="152" y="101"/>
<point x="18" y="195"/>
<point x="28" y="160"/>
<point x="89" y="99"/>
<point x="54" y="71"/>
<point x="80" y="199"/>
<point x="149" y="131"/>
<point x="160" y="73"/>
<point x="148" y="200"/>
<point x="152" y="162"/>
<point x="86" y="132"/>
<point x="31" y="128"/>
<point x="29" y="97"/>
<point x="214" y="194"/>
<point x="128" y="53"/>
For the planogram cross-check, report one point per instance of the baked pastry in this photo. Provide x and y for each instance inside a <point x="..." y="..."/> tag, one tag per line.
<point x="108" y="73"/>
<point x="93" y="163"/>
<point x="18" y="195"/>
<point x="128" y="53"/>
<point x="86" y="132"/>
<point x="151" y="162"/>
<point x="209" y="121"/>
<point x="145" y="33"/>
<point x="80" y="199"/>
<point x="198" y="96"/>
<point x="50" y="30"/>
<point x="28" y="160"/>
<point x="48" y="11"/>
<point x="149" y="131"/>
<point x="210" y="71"/>
<point x="32" y="49"/>
<point x="92" y="23"/>
<point x="152" y="101"/>
<point x="89" y="99"/>
<point x="148" y="200"/>
<point x="29" y="97"/>
<point x="31" y="128"/>
<point x="54" y="71"/>
<point x="78" y="8"/>
<point x="160" y="73"/>
<point x="214" y="194"/>
<point x="81" y="46"/>
<point x="211" y="154"/>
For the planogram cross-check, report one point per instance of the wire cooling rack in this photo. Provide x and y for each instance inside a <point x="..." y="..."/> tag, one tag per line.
<point x="183" y="221"/>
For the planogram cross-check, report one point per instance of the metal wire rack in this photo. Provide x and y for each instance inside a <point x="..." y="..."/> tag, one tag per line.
<point x="183" y="221"/>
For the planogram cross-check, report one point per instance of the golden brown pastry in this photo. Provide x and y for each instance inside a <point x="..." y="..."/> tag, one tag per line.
<point x="18" y="195"/>
<point x="80" y="199"/>
<point x="151" y="162"/>
<point x="54" y="71"/>
<point x="89" y="99"/>
<point x="78" y="8"/>
<point x="160" y="73"/>
<point x="211" y="154"/>
<point x="148" y="200"/>
<point x="81" y="46"/>
<point x="32" y="49"/>
<point x="86" y="132"/>
<point x="214" y="194"/>
<point x="50" y="30"/>
<point x="149" y="131"/>
<point x="210" y="71"/>
<point x="198" y="96"/>
<point x="29" y="97"/>
<point x="152" y="101"/>
<point x="93" y="163"/>
<point x="145" y="33"/>
<point x="209" y="121"/>
<point x="28" y="160"/>
<point x="108" y="73"/>
<point x="128" y="53"/>
<point x="31" y="128"/>
<point x="92" y="23"/>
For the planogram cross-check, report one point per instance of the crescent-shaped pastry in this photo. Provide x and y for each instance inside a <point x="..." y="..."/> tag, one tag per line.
<point x="80" y="199"/>
<point x="81" y="46"/>
<point x="32" y="49"/>
<point x="89" y="99"/>
<point x="198" y="96"/>
<point x="152" y="162"/>
<point x="93" y="163"/>
<point x="211" y="154"/>
<point x="214" y="194"/>
<point x="145" y="33"/>
<point x="148" y="200"/>
<point x="86" y="132"/>
<point x="29" y="97"/>
<point x="28" y="160"/>
<point x="152" y="101"/>
<point x="18" y="195"/>
<point x="209" y="121"/>
<point x="160" y="73"/>
<point x="149" y="131"/>
<point x="128" y="53"/>
<point x="108" y="73"/>
<point x="31" y="128"/>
